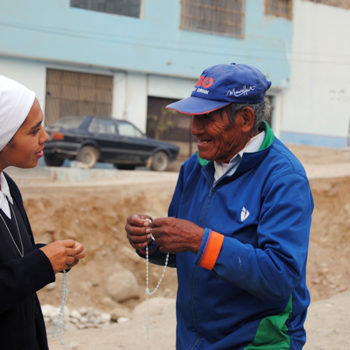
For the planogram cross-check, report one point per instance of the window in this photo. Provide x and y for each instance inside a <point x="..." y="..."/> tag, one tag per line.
<point x="71" y="122"/>
<point x="126" y="129"/>
<point x="225" y="17"/>
<point x="103" y="126"/>
<point x="129" y="8"/>
<point x="280" y="8"/>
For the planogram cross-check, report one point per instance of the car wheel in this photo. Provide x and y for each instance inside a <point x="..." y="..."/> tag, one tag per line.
<point x="88" y="155"/>
<point x="53" y="160"/>
<point x="160" y="161"/>
<point x="124" y="166"/>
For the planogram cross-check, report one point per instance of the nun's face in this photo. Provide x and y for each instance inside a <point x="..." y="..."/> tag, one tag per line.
<point x="26" y="147"/>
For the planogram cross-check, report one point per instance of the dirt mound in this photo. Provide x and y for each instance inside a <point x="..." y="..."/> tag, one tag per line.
<point x="96" y="216"/>
<point x="329" y="254"/>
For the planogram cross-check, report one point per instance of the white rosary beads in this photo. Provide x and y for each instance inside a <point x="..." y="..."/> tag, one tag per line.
<point x="58" y="324"/>
<point x="147" y="291"/>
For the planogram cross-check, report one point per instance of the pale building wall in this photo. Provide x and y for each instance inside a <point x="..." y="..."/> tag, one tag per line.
<point x="136" y="99"/>
<point x="316" y="106"/>
<point x="168" y="87"/>
<point x="31" y="74"/>
<point x="147" y="56"/>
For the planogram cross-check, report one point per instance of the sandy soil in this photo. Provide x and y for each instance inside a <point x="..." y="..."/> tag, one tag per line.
<point x="94" y="212"/>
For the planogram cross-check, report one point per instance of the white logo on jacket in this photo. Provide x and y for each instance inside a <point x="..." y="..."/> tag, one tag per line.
<point x="244" y="214"/>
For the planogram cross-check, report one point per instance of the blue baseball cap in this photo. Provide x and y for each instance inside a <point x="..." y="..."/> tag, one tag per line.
<point x="223" y="84"/>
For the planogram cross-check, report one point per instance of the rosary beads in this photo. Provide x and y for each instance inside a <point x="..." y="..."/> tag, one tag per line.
<point x="58" y="325"/>
<point x="147" y="291"/>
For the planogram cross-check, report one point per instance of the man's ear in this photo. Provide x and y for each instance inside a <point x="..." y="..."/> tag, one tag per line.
<point x="247" y="118"/>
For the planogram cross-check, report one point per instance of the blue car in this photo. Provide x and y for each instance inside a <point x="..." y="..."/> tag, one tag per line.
<point x="91" y="139"/>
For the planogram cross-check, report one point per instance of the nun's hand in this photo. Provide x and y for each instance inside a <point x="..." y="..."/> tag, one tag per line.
<point x="64" y="254"/>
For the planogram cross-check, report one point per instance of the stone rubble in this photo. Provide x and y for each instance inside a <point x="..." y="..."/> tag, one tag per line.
<point x="82" y="318"/>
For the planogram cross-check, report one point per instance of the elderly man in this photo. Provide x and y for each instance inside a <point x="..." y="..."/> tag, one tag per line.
<point x="238" y="225"/>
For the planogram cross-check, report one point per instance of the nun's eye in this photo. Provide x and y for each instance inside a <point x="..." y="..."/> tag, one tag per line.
<point x="35" y="131"/>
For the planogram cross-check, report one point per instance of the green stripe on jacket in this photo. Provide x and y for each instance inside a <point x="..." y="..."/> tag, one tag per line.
<point x="272" y="333"/>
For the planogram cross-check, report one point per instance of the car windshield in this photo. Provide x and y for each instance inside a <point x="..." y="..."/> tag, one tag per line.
<point x="100" y="125"/>
<point x="70" y="122"/>
<point x="127" y="129"/>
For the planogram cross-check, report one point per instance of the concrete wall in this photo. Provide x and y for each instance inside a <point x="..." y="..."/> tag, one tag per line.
<point x="154" y="44"/>
<point x="149" y="56"/>
<point x="316" y="106"/>
<point x="30" y="73"/>
<point x="130" y="89"/>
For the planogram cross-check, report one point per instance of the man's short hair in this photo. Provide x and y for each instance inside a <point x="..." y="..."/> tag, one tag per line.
<point x="261" y="110"/>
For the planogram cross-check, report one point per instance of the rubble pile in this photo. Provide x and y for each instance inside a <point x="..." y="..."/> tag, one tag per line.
<point x="82" y="318"/>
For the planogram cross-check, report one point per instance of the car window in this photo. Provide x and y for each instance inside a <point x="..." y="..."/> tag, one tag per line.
<point x="127" y="129"/>
<point x="104" y="126"/>
<point x="70" y="122"/>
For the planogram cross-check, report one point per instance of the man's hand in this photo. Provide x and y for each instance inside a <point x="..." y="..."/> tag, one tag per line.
<point x="177" y="235"/>
<point x="63" y="255"/>
<point x="138" y="230"/>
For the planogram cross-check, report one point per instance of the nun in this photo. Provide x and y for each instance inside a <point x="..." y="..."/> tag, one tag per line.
<point x="25" y="267"/>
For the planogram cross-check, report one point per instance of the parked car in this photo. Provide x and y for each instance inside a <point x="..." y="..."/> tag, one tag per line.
<point x="96" y="139"/>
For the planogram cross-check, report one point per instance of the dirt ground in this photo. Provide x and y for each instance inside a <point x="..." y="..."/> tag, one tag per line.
<point x="94" y="212"/>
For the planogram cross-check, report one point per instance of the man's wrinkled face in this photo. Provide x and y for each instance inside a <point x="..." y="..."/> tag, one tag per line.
<point x="217" y="137"/>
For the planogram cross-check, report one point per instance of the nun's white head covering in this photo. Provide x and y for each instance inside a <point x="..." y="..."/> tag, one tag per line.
<point x="15" y="103"/>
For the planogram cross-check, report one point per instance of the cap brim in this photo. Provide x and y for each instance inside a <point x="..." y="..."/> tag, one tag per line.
<point x="196" y="105"/>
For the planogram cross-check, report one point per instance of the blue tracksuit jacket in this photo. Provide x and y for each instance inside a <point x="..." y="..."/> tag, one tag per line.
<point x="245" y="288"/>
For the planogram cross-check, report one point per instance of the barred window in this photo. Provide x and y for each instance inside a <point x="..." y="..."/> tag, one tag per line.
<point x="129" y="8"/>
<point x="280" y="8"/>
<point x="225" y="17"/>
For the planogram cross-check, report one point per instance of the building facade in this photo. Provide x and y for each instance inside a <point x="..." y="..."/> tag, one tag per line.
<point x="127" y="59"/>
<point x="316" y="106"/>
